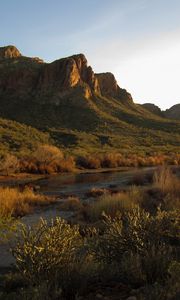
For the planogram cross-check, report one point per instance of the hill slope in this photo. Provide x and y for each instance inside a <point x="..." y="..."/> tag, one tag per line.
<point x="80" y="109"/>
<point x="19" y="138"/>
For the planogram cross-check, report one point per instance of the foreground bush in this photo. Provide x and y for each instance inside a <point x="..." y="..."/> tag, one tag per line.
<point x="142" y="245"/>
<point x="45" y="249"/>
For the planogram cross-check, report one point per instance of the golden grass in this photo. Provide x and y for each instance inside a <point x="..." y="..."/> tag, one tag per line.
<point x="16" y="203"/>
<point x="166" y="181"/>
<point x="110" y="205"/>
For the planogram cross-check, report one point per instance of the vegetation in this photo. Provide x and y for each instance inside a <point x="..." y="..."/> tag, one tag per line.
<point x="18" y="203"/>
<point x="130" y="244"/>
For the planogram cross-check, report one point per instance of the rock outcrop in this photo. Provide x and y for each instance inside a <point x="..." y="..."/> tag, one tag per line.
<point x="109" y="88"/>
<point x="57" y="80"/>
<point x="67" y="73"/>
<point x="9" y="52"/>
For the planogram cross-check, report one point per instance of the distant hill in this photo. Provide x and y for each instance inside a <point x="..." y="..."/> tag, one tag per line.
<point x="81" y="110"/>
<point x="153" y="108"/>
<point x="171" y="113"/>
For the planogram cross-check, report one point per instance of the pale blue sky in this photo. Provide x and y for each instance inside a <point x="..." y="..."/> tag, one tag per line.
<point x="137" y="40"/>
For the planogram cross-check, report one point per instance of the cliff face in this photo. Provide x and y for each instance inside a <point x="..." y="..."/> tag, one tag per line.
<point x="64" y="75"/>
<point x="54" y="81"/>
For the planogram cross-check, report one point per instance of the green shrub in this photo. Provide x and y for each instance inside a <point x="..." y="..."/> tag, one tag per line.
<point x="45" y="250"/>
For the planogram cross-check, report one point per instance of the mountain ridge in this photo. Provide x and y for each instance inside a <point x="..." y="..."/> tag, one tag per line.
<point x="67" y="95"/>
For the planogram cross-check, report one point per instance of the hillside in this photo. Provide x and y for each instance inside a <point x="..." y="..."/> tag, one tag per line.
<point x="81" y="110"/>
<point x="171" y="113"/>
<point x="19" y="138"/>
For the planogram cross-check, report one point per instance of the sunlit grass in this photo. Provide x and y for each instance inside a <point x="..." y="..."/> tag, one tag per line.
<point x="16" y="203"/>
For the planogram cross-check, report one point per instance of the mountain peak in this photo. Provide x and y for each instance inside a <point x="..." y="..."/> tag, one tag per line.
<point x="9" y="52"/>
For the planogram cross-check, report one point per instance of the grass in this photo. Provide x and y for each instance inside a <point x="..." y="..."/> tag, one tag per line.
<point x="16" y="203"/>
<point x="109" y="204"/>
<point x="166" y="181"/>
<point x="71" y="204"/>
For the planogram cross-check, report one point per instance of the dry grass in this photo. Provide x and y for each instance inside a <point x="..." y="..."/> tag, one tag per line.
<point x="16" y="203"/>
<point x="97" y="192"/>
<point x="110" y="205"/>
<point x="166" y="181"/>
<point x="71" y="204"/>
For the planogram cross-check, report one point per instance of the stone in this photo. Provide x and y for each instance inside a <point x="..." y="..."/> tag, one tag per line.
<point x="9" y="52"/>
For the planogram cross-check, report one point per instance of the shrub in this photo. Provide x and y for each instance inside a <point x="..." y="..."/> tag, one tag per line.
<point x="96" y="192"/>
<point x="45" y="251"/>
<point x="9" y="164"/>
<point x="71" y="204"/>
<point x="150" y="241"/>
<point x="47" y="153"/>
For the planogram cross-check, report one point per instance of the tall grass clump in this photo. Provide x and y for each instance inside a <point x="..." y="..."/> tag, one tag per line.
<point x="166" y="181"/>
<point x="16" y="203"/>
<point x="110" y="205"/>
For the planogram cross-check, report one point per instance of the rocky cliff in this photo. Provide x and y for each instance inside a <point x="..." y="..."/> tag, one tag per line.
<point x="54" y="81"/>
<point x="68" y="94"/>
<point x="9" y="52"/>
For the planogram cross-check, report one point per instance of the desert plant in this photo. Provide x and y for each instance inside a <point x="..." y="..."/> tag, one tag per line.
<point x="45" y="251"/>
<point x="46" y="154"/>
<point x="9" y="164"/>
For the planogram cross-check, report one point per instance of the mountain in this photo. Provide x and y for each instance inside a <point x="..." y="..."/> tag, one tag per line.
<point x="171" y="113"/>
<point x="153" y="108"/>
<point x="80" y="109"/>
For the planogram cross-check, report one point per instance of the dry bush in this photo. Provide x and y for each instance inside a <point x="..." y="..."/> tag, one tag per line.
<point x="89" y="162"/>
<point x="47" y="153"/>
<point x="97" y="192"/>
<point x="71" y="204"/>
<point x="66" y="165"/>
<point x="111" y="160"/>
<point x="9" y="164"/>
<point x="17" y="203"/>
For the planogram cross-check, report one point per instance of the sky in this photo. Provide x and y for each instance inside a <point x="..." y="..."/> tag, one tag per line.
<point x="137" y="40"/>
